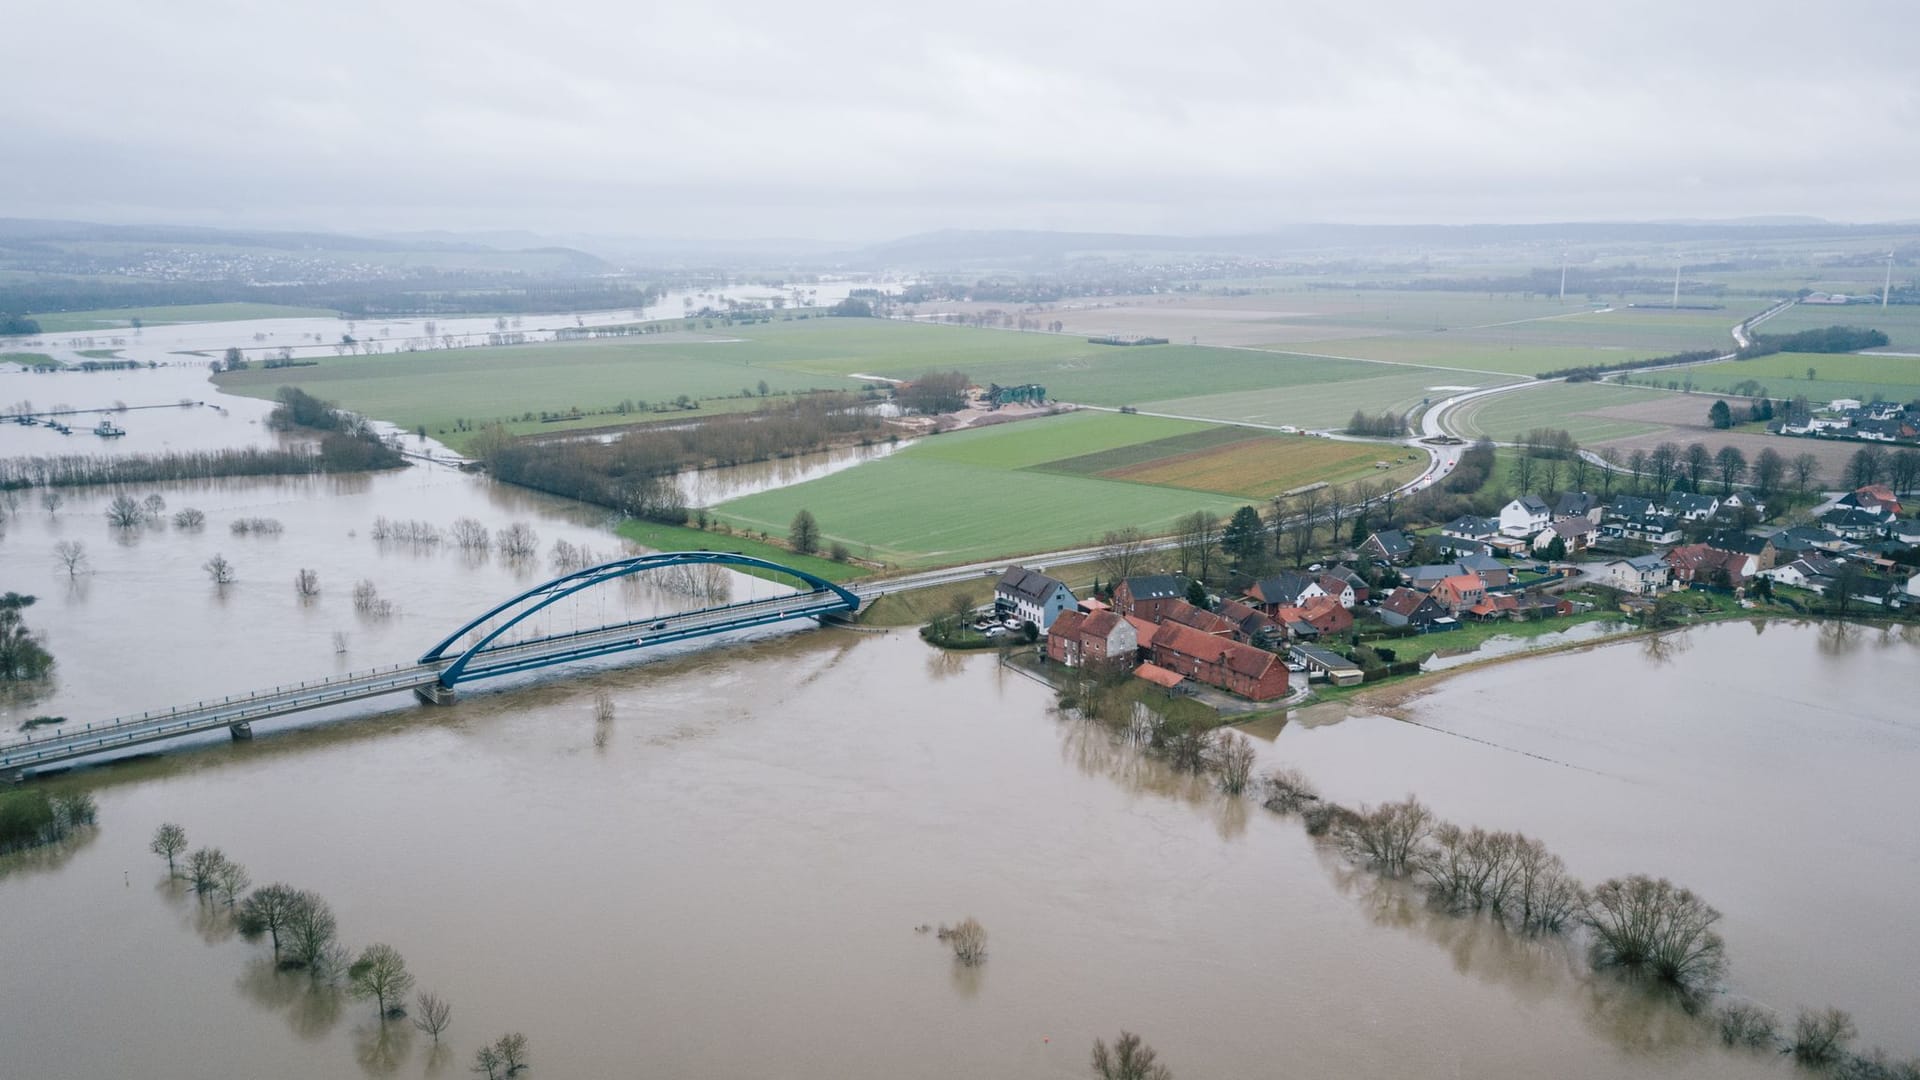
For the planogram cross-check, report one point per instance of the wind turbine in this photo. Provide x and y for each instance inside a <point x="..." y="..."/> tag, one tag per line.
<point x="1886" y="287"/>
<point x="1563" y="277"/>
<point x="1676" y="286"/>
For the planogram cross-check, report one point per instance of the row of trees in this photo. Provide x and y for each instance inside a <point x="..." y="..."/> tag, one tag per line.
<point x="1388" y="425"/>
<point x="303" y="932"/>
<point x="1646" y="926"/>
<point x="338" y="452"/>
<point x="23" y="656"/>
<point x="933" y="393"/>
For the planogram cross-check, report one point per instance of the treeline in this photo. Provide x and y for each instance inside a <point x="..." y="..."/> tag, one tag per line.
<point x="1474" y="468"/>
<point x="1388" y="424"/>
<point x="338" y="452"/>
<point x="18" y="324"/>
<point x="32" y="818"/>
<point x="633" y="474"/>
<point x="1590" y="372"/>
<point x="933" y="393"/>
<point x="1831" y="339"/>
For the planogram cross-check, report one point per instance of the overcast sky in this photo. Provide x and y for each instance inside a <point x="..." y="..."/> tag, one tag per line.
<point x="753" y="118"/>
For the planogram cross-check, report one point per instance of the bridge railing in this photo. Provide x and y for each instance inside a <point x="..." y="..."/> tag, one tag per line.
<point x="791" y="599"/>
<point x="216" y="713"/>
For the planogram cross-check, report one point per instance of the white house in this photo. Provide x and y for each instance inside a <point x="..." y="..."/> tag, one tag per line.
<point x="1576" y="533"/>
<point x="1525" y="516"/>
<point x="1034" y="596"/>
<point x="1643" y="575"/>
<point x="1841" y="405"/>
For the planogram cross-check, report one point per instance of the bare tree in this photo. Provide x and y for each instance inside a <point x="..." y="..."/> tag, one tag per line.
<point x="203" y="869"/>
<point x="72" y="555"/>
<point x="310" y="932"/>
<point x="380" y="973"/>
<point x="1129" y="1059"/>
<point x="470" y="535"/>
<point x="1196" y="536"/>
<point x="1236" y="755"/>
<point x="968" y="940"/>
<point x="1389" y="836"/>
<point x="1307" y="504"/>
<point x="518" y="541"/>
<point x="1806" y="472"/>
<point x="1820" y="1036"/>
<point x="306" y="583"/>
<point x="1745" y="1024"/>
<point x="124" y="512"/>
<point x="435" y="1015"/>
<point x="1279" y="518"/>
<point x="169" y="840"/>
<point x="367" y="601"/>
<point x="219" y="569"/>
<point x="1289" y="791"/>
<point x="269" y="910"/>
<point x="1655" y="926"/>
<point x="1123" y="553"/>
<point x="153" y="506"/>
<point x="189" y="518"/>
<point x="506" y="1057"/>
<point x="603" y="708"/>
<point x="231" y="879"/>
<point x="51" y="500"/>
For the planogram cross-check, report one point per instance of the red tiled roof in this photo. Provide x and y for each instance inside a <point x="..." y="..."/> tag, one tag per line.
<point x="1240" y="659"/>
<point x="1099" y="624"/>
<point x="1159" y="676"/>
<point x="1067" y="624"/>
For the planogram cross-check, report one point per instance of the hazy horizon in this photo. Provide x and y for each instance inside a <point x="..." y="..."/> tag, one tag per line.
<point x="854" y="125"/>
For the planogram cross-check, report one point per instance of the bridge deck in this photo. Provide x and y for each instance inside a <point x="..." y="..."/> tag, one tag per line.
<point x="495" y="660"/>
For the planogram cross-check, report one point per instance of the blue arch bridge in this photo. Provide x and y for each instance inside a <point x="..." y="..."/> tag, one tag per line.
<point x="448" y="664"/>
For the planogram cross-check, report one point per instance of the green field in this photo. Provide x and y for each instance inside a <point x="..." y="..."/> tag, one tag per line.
<point x="63" y="322"/>
<point x="1837" y="375"/>
<point x="1569" y="406"/>
<point x="1901" y="322"/>
<point x="441" y="389"/>
<point x="975" y="495"/>
<point x="28" y="359"/>
<point x="678" y="538"/>
<point x="1331" y="404"/>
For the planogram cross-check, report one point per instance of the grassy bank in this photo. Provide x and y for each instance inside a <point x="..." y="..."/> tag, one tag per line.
<point x="686" y="538"/>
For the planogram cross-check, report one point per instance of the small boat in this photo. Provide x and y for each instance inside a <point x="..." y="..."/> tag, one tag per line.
<point x="106" y="430"/>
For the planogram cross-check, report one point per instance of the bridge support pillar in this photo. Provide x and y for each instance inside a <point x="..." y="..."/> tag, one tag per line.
<point x="435" y="694"/>
<point x="241" y="732"/>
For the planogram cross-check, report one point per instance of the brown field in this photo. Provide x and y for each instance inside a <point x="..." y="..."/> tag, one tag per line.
<point x="1262" y="467"/>
<point x="1685" y="417"/>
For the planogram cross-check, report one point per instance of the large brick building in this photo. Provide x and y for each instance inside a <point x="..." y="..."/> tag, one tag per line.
<point x="1222" y="662"/>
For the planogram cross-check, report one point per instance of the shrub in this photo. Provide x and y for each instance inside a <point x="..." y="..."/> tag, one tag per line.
<point x="1657" y="927"/>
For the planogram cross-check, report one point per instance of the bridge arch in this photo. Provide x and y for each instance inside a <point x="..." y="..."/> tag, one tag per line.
<point x="837" y="598"/>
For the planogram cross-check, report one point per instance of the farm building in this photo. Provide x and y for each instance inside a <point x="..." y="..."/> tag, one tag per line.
<point x="1222" y="662"/>
<point x="1149" y="596"/>
<point x="1033" y="596"/>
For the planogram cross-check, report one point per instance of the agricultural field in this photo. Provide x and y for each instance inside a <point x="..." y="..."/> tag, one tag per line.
<point x="1901" y="322"/>
<point x="659" y="537"/>
<point x="453" y="393"/>
<point x="1590" y="412"/>
<point x="29" y="359"/>
<point x="988" y="492"/>
<point x="1330" y="404"/>
<point x="64" y="322"/>
<point x="1234" y="462"/>
<point x="1836" y="375"/>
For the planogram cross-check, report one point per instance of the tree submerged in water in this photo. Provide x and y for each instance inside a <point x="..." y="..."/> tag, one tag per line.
<point x="22" y="656"/>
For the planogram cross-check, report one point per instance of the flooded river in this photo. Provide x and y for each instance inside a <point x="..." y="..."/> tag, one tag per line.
<point x="725" y="880"/>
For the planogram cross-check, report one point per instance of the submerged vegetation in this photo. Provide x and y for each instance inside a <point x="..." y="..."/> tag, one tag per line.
<point x="32" y="818"/>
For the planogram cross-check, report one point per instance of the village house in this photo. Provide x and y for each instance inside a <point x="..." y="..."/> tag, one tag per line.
<point x="1411" y="607"/>
<point x="1576" y="534"/>
<point x="1698" y="564"/>
<point x="1473" y="530"/>
<point x="1338" y="588"/>
<point x="1033" y="596"/>
<point x="1878" y="498"/>
<point x="1288" y="588"/>
<point x="1853" y="523"/>
<point x="1494" y="606"/>
<point x="1688" y="506"/>
<point x="1102" y="640"/>
<point x="1330" y="665"/>
<point x="1642" y="575"/>
<point x="1650" y="529"/>
<point x="1577" y="504"/>
<point x="1425" y="578"/>
<point x="1361" y="590"/>
<point x="1460" y="592"/>
<point x="1494" y="573"/>
<point x="1239" y="669"/>
<point x="1323" y="614"/>
<point x="1390" y="546"/>
<point x="1251" y="625"/>
<point x="1744" y="543"/>
<point x="1199" y="618"/>
<point x="1148" y="596"/>
<point x="1524" y="516"/>
<point x="1806" y="572"/>
<point x="1624" y="507"/>
<point x="1804" y="538"/>
<point x="1744" y="500"/>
